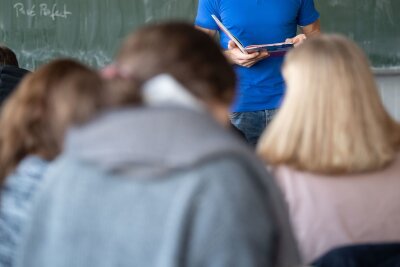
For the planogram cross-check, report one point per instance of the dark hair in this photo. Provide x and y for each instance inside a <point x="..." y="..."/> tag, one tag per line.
<point x="192" y="57"/>
<point x="35" y="118"/>
<point x="7" y="56"/>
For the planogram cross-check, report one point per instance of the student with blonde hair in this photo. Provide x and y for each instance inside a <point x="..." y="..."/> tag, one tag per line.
<point x="158" y="180"/>
<point x="32" y="126"/>
<point x="334" y="149"/>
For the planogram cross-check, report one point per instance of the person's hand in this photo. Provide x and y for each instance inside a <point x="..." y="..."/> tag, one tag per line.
<point x="246" y="60"/>
<point x="298" y="40"/>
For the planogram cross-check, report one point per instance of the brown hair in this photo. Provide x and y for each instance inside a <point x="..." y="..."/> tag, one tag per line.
<point x="7" y="56"/>
<point x="332" y="120"/>
<point x="36" y="116"/>
<point x="182" y="51"/>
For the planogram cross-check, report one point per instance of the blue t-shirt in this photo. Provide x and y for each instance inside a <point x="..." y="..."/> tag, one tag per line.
<point x="258" y="22"/>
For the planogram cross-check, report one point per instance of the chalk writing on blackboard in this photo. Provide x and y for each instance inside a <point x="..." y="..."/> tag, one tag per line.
<point x="43" y="10"/>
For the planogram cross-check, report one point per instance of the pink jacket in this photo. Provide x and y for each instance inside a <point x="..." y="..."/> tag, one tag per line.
<point x="332" y="211"/>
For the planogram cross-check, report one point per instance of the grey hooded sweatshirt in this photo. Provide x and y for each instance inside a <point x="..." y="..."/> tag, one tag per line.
<point x="157" y="187"/>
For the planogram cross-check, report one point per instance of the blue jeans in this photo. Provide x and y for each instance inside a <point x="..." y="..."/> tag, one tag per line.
<point x="252" y="124"/>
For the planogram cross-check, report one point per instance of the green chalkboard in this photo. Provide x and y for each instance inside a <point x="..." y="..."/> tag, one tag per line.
<point x="91" y="30"/>
<point x="373" y="24"/>
<point x="88" y="30"/>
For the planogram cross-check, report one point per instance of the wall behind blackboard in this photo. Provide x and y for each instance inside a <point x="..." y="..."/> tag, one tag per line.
<point x="373" y="24"/>
<point x="89" y="30"/>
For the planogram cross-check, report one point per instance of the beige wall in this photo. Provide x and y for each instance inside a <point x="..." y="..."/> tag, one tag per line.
<point x="390" y="91"/>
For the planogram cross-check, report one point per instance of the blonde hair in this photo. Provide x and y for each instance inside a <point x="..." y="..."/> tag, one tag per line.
<point x="332" y="120"/>
<point x="35" y="118"/>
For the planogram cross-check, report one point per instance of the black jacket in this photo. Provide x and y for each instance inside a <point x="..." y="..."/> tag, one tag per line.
<point x="10" y="76"/>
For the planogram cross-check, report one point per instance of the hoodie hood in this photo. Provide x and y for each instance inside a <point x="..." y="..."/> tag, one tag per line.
<point x="150" y="139"/>
<point x="171" y="131"/>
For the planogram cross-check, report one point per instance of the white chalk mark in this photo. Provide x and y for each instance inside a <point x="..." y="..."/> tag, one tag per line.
<point x="52" y="12"/>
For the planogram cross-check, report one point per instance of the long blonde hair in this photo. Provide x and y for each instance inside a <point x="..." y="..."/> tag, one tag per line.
<point x="332" y="120"/>
<point x="35" y="118"/>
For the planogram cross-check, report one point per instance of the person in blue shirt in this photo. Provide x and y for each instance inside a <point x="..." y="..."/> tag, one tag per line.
<point x="261" y="86"/>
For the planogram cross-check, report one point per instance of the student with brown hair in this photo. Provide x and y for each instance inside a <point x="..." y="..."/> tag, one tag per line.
<point x="32" y="127"/>
<point x="10" y="72"/>
<point x="8" y="57"/>
<point x="334" y="149"/>
<point x="158" y="181"/>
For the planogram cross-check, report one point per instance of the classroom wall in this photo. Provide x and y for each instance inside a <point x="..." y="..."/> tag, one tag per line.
<point x="389" y="85"/>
